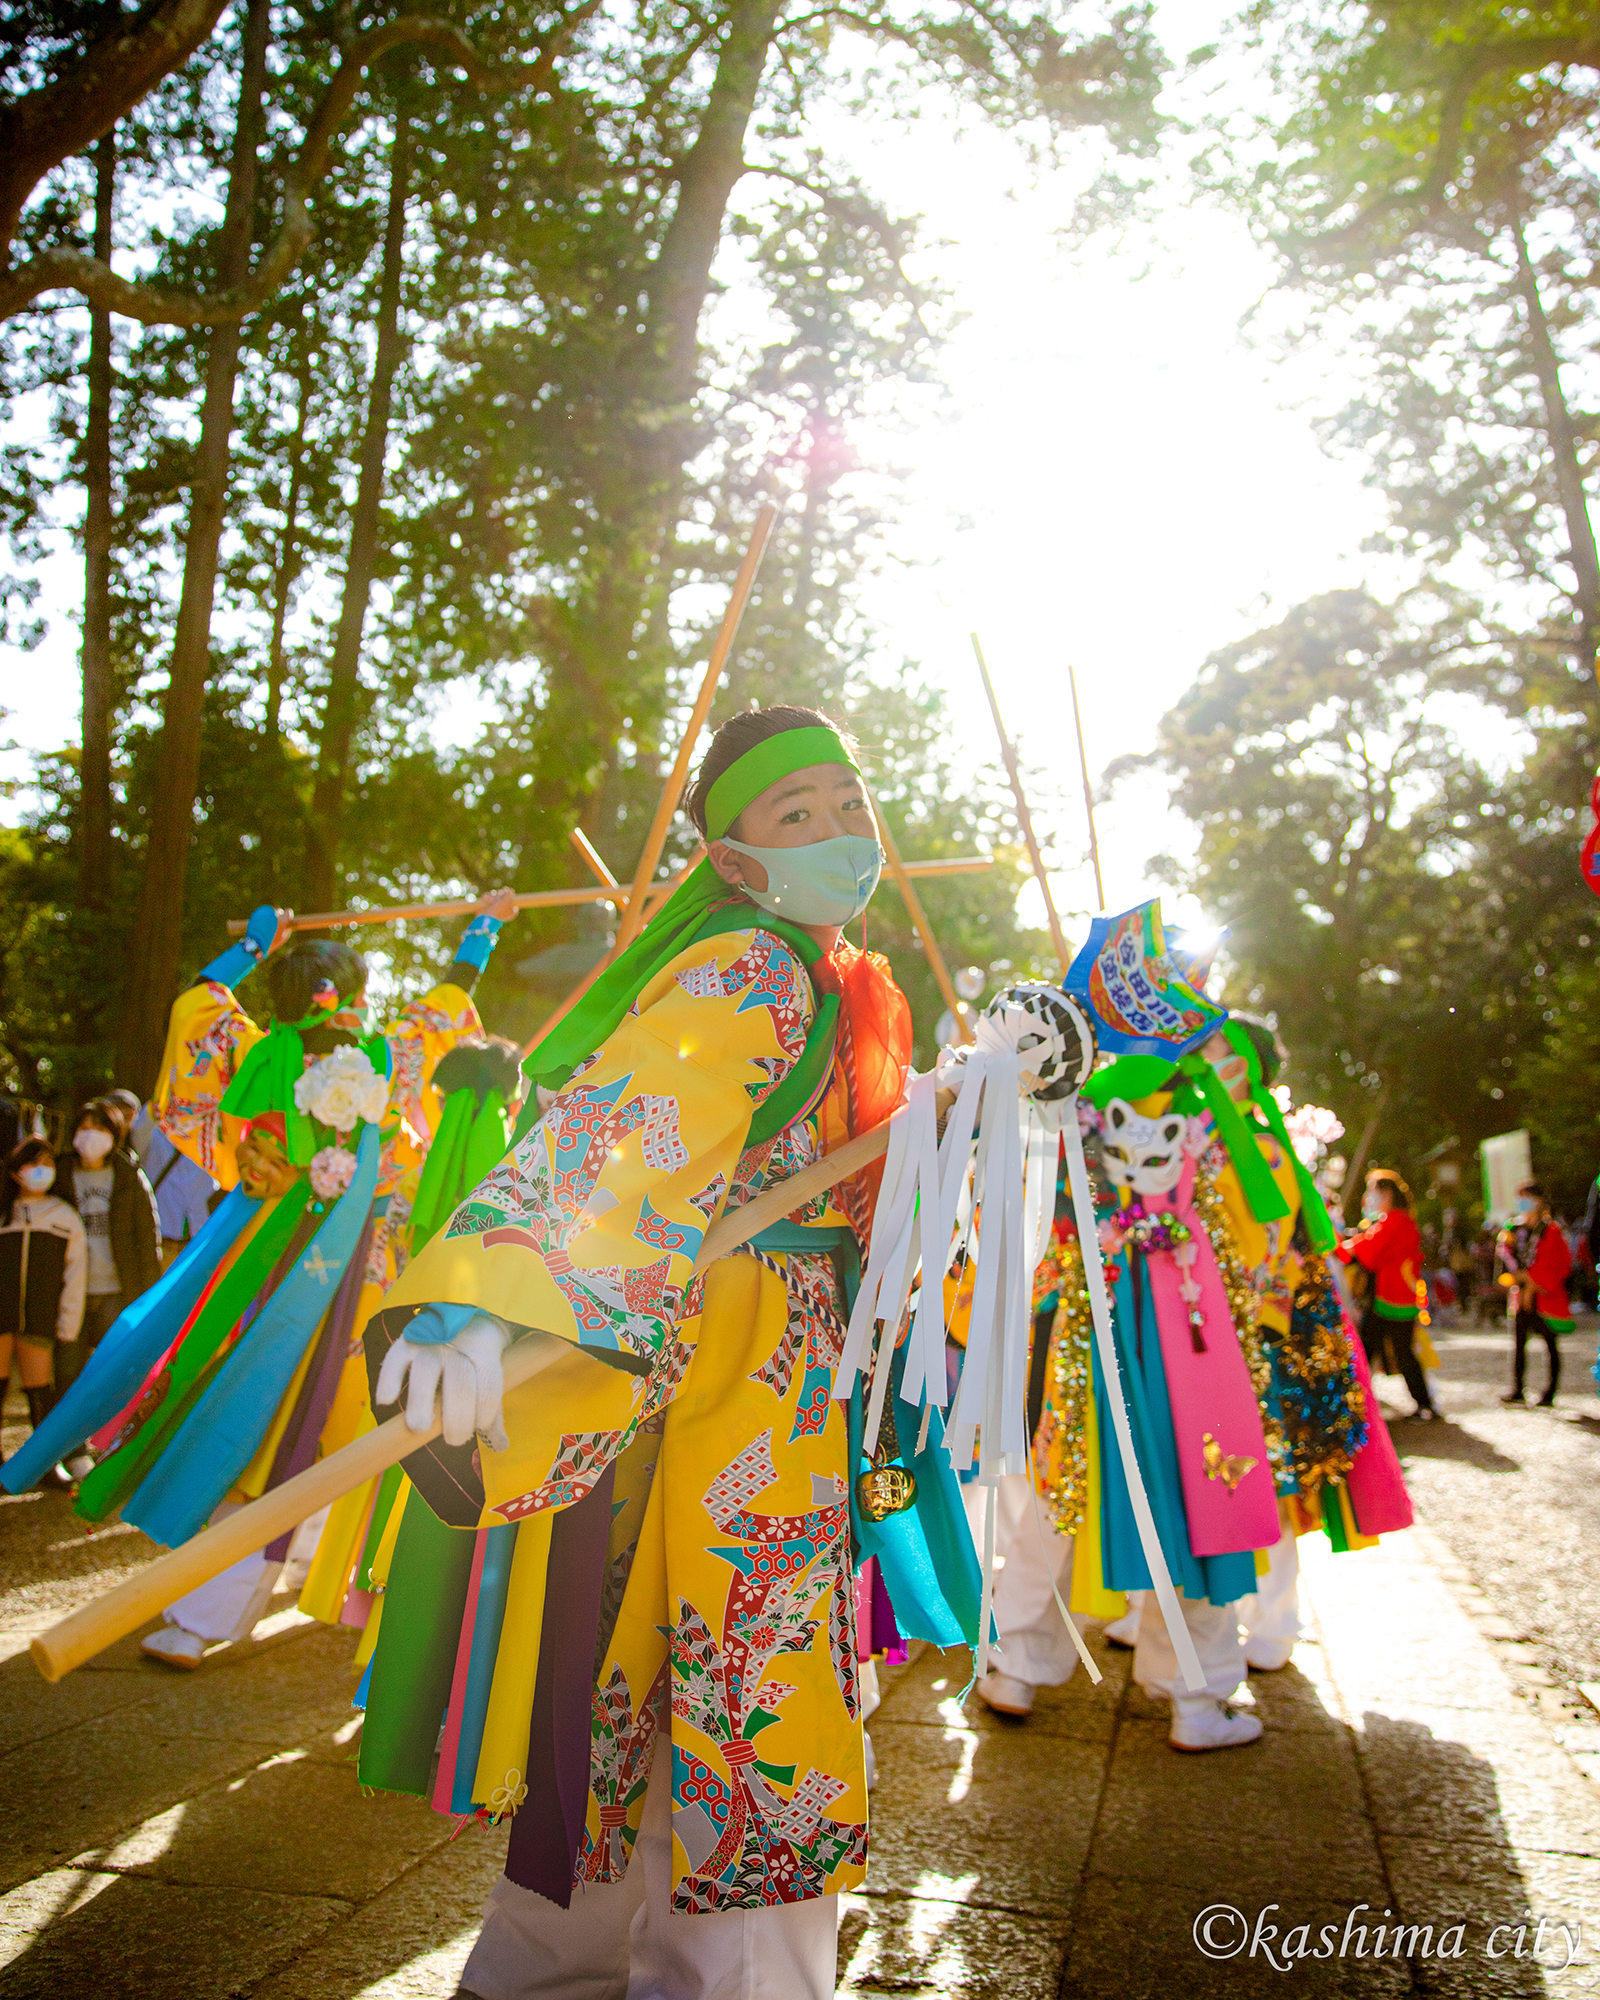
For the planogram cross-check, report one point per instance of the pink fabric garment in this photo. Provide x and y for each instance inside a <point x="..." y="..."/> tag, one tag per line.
<point x="1211" y="1395"/>
<point x="444" y="1784"/>
<point x="1377" y="1486"/>
<point x="864" y="1608"/>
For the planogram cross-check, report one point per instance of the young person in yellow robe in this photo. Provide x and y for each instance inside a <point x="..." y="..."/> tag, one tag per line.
<point x="627" y="1584"/>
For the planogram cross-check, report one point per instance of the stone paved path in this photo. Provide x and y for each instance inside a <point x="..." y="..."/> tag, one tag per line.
<point x="203" y="1837"/>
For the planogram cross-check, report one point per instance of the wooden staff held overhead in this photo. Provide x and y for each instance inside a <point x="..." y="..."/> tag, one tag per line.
<point x="1058" y="937"/>
<point x="672" y="792"/>
<point x="124" y="1609"/>
<point x="919" y="919"/>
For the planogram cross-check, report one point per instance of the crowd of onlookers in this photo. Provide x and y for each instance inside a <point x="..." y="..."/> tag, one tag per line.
<point x="1463" y="1269"/>
<point x="87" y="1222"/>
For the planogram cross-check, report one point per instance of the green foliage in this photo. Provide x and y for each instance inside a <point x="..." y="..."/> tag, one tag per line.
<point x="1414" y="927"/>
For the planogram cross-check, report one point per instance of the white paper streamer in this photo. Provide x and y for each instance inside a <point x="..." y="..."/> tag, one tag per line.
<point x="1100" y="1311"/>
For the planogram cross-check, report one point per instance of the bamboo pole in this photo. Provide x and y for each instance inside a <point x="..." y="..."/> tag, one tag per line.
<point x="395" y="913"/>
<point x="919" y="919"/>
<point x="108" y="1618"/>
<point x="586" y="848"/>
<point x="1024" y="817"/>
<point x="555" y="899"/>
<point x="1088" y="789"/>
<point x="632" y="919"/>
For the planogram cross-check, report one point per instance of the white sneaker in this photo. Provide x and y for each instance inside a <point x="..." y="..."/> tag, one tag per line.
<point x="80" y="1465"/>
<point x="174" y="1647"/>
<point x="1006" y="1696"/>
<point x="1200" y="1722"/>
<point x="1268" y="1655"/>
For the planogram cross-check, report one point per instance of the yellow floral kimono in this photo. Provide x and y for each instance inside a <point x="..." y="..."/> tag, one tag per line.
<point x="697" y="1413"/>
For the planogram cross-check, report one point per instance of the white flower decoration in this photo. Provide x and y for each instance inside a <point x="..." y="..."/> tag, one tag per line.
<point x="341" y="1089"/>
<point x="332" y="1171"/>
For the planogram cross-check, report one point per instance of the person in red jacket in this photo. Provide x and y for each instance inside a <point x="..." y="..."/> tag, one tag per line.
<point x="1536" y="1257"/>
<point x="1389" y="1248"/>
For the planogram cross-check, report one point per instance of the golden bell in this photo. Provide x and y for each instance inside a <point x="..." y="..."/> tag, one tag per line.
<point x="883" y="1490"/>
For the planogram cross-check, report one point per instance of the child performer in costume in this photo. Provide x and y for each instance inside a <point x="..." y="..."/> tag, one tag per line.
<point x="632" y="1601"/>
<point x="1537" y="1262"/>
<point x="229" y="1374"/>
<point x="1388" y="1247"/>
<point x="1215" y="1226"/>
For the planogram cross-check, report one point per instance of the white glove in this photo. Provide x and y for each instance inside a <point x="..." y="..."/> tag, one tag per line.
<point x="464" y="1373"/>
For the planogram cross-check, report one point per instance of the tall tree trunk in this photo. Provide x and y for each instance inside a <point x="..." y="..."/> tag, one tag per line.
<point x="341" y="709"/>
<point x="94" y="772"/>
<point x="157" y="942"/>
<point x="1563" y="452"/>
<point x="288" y="565"/>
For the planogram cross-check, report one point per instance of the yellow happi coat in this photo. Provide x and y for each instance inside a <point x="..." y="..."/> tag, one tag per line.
<point x="728" y="1608"/>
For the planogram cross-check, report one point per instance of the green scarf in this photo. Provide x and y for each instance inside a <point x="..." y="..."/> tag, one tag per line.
<point x="471" y="1139"/>
<point x="1261" y="1189"/>
<point x="265" y="1082"/>
<point x="704" y="906"/>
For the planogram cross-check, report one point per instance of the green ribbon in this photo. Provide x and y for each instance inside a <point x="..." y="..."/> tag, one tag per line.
<point x="265" y="1082"/>
<point x="1319" y="1226"/>
<point x="471" y="1139"/>
<point x="1130" y="1077"/>
<point x="1261" y="1190"/>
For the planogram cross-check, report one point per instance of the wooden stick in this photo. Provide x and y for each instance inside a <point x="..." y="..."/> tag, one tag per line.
<point x="555" y="899"/>
<point x="395" y="913"/>
<point x="964" y="864"/>
<point x="672" y="793"/>
<point x="924" y="930"/>
<point x="1024" y="817"/>
<point x="1088" y="789"/>
<point x="585" y="847"/>
<point x="108" y="1618"/>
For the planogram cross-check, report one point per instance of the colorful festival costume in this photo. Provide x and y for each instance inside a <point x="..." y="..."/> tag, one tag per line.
<point x="656" y="1574"/>
<point x="1248" y="1395"/>
<point x="243" y="1363"/>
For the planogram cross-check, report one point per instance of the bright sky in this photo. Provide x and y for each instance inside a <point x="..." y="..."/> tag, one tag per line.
<point x="1117" y="479"/>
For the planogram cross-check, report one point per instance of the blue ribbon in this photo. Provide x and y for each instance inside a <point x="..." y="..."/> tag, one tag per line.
<point x="217" y="1440"/>
<point x="131" y="1346"/>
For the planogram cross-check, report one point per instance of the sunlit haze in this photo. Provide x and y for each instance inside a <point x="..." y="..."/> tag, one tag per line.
<point x="1116" y="478"/>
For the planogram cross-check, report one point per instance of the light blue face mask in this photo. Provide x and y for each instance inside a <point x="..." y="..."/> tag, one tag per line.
<point x="828" y="882"/>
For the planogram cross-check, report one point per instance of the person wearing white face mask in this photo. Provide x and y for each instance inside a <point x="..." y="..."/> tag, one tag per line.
<point x="119" y="1219"/>
<point x="43" y="1261"/>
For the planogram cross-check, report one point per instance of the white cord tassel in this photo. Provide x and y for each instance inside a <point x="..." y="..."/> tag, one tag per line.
<point x="1100" y="1310"/>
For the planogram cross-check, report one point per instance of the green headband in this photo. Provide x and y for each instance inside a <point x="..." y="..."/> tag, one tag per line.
<point x="749" y="776"/>
<point x="678" y="922"/>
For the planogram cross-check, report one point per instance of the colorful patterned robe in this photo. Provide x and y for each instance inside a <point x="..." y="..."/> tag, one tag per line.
<point x="726" y="1612"/>
<point x="208" y="1035"/>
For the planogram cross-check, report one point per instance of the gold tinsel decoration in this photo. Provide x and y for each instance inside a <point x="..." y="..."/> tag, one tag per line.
<point x="1060" y="1466"/>
<point x="1242" y="1304"/>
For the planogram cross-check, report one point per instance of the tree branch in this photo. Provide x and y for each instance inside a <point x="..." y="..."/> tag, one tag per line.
<point x="1533" y="52"/>
<point x="93" y="277"/>
<point x="66" y="116"/>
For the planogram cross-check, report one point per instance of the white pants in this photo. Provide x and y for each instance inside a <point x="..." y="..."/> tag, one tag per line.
<point x="228" y="1606"/>
<point x="621" y="1941"/>
<point x="1035" y="1645"/>
<point x="1214" y="1628"/>
<point x="1272" y="1612"/>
